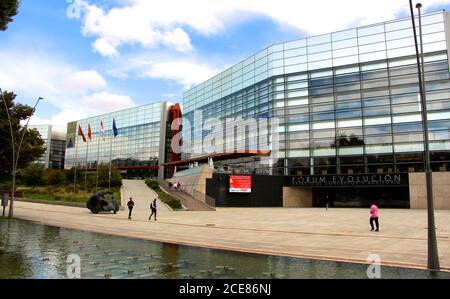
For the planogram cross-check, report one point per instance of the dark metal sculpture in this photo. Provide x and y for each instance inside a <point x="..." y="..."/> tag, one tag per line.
<point x="98" y="203"/>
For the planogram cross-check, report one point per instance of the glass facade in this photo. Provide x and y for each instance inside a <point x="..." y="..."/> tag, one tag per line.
<point x="136" y="148"/>
<point x="54" y="142"/>
<point x="348" y="102"/>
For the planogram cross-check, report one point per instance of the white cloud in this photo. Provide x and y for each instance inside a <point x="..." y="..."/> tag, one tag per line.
<point x="133" y="24"/>
<point x="75" y="93"/>
<point x="99" y="102"/>
<point x="178" y="39"/>
<point x="153" y="24"/>
<point x="84" y="80"/>
<point x="105" y="47"/>
<point x="185" y="72"/>
<point x="89" y="105"/>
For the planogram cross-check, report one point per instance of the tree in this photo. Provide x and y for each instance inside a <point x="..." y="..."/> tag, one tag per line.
<point x="103" y="176"/>
<point x="8" y="9"/>
<point x="32" y="146"/>
<point x="344" y="140"/>
<point x="32" y="175"/>
<point x="54" y="177"/>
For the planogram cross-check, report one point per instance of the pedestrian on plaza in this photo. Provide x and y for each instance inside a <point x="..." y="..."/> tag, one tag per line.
<point x="178" y="186"/>
<point x="374" y="216"/>
<point x="153" y="209"/>
<point x="130" y="205"/>
<point x="170" y="186"/>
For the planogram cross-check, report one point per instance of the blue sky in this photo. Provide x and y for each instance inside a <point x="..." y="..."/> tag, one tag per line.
<point x="88" y="57"/>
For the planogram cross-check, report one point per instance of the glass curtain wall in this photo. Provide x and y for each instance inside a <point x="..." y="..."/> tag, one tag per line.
<point x="347" y="101"/>
<point x="137" y="142"/>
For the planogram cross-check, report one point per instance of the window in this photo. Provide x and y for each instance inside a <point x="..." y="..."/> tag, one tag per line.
<point x="412" y="127"/>
<point x="380" y="110"/>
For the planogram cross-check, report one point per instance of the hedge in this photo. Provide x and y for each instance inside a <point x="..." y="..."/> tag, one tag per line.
<point x="163" y="196"/>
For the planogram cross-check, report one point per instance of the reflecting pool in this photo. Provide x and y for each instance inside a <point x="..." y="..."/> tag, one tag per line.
<point x="30" y="250"/>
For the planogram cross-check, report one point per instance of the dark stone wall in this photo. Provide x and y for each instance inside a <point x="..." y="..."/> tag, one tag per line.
<point x="267" y="191"/>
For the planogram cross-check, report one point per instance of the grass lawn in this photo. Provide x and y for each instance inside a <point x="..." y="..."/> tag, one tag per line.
<point x="60" y="194"/>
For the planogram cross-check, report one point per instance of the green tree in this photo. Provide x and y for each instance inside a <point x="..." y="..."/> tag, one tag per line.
<point x="54" y="177"/>
<point x="32" y="175"/>
<point x="103" y="176"/>
<point x="32" y="146"/>
<point x="8" y="9"/>
<point x="69" y="173"/>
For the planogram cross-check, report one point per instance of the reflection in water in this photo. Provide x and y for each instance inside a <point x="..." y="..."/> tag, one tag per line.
<point x="29" y="250"/>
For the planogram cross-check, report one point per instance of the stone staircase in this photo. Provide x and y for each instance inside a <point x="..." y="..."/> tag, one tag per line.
<point x="190" y="202"/>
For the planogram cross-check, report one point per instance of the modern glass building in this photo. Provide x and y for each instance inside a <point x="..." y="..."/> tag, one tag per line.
<point x="54" y="141"/>
<point x="135" y="150"/>
<point x="348" y="114"/>
<point x="348" y="102"/>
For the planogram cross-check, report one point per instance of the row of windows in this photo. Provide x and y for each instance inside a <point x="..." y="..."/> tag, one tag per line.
<point x="207" y="97"/>
<point x="345" y="91"/>
<point x="261" y="59"/>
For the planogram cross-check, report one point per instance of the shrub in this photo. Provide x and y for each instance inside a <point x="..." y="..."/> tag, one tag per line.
<point x="163" y="196"/>
<point x="103" y="176"/>
<point x="54" y="177"/>
<point x="32" y="175"/>
<point x="69" y="173"/>
<point x="152" y="184"/>
<point x="6" y="186"/>
<point x="169" y="200"/>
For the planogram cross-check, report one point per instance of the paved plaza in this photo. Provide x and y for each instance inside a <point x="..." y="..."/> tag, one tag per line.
<point x="336" y="234"/>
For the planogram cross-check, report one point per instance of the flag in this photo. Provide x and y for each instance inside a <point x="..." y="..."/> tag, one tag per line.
<point x="115" y="130"/>
<point x="80" y="133"/>
<point x="102" y="128"/>
<point x="70" y="143"/>
<point x="89" y="132"/>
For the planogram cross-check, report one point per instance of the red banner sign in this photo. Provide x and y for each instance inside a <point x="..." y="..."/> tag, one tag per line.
<point x="240" y="184"/>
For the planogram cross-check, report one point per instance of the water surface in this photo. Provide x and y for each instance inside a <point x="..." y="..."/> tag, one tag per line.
<point x="30" y="250"/>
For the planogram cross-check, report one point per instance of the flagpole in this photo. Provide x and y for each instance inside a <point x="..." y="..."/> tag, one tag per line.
<point x="110" y="163"/>
<point x="76" y="162"/>
<point x="86" y="169"/>
<point x="96" y="171"/>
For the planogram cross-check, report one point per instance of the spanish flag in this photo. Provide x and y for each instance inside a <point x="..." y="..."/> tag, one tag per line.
<point x="89" y="132"/>
<point x="80" y="133"/>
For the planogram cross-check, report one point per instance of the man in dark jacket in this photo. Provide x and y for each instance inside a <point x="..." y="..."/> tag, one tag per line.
<point x="130" y="205"/>
<point x="153" y="209"/>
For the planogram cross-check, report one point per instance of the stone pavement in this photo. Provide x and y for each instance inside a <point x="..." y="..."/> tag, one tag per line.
<point x="336" y="234"/>
<point x="142" y="196"/>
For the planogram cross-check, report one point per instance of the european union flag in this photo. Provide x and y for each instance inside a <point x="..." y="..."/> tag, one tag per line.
<point x="115" y="130"/>
<point x="70" y="143"/>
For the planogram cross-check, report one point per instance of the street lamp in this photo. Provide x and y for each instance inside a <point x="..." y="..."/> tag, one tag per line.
<point x="15" y="157"/>
<point x="12" y="138"/>
<point x="433" y="257"/>
<point x="11" y="206"/>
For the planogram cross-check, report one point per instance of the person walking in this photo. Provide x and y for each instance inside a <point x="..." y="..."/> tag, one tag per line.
<point x="130" y="205"/>
<point x="153" y="209"/>
<point x="374" y="216"/>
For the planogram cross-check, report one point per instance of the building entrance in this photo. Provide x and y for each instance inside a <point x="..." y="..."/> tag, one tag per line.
<point x="359" y="197"/>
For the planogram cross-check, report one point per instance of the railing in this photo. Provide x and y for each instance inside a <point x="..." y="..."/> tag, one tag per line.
<point x="193" y="200"/>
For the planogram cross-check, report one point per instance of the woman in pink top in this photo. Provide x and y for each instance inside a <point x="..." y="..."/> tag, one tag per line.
<point x="374" y="216"/>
